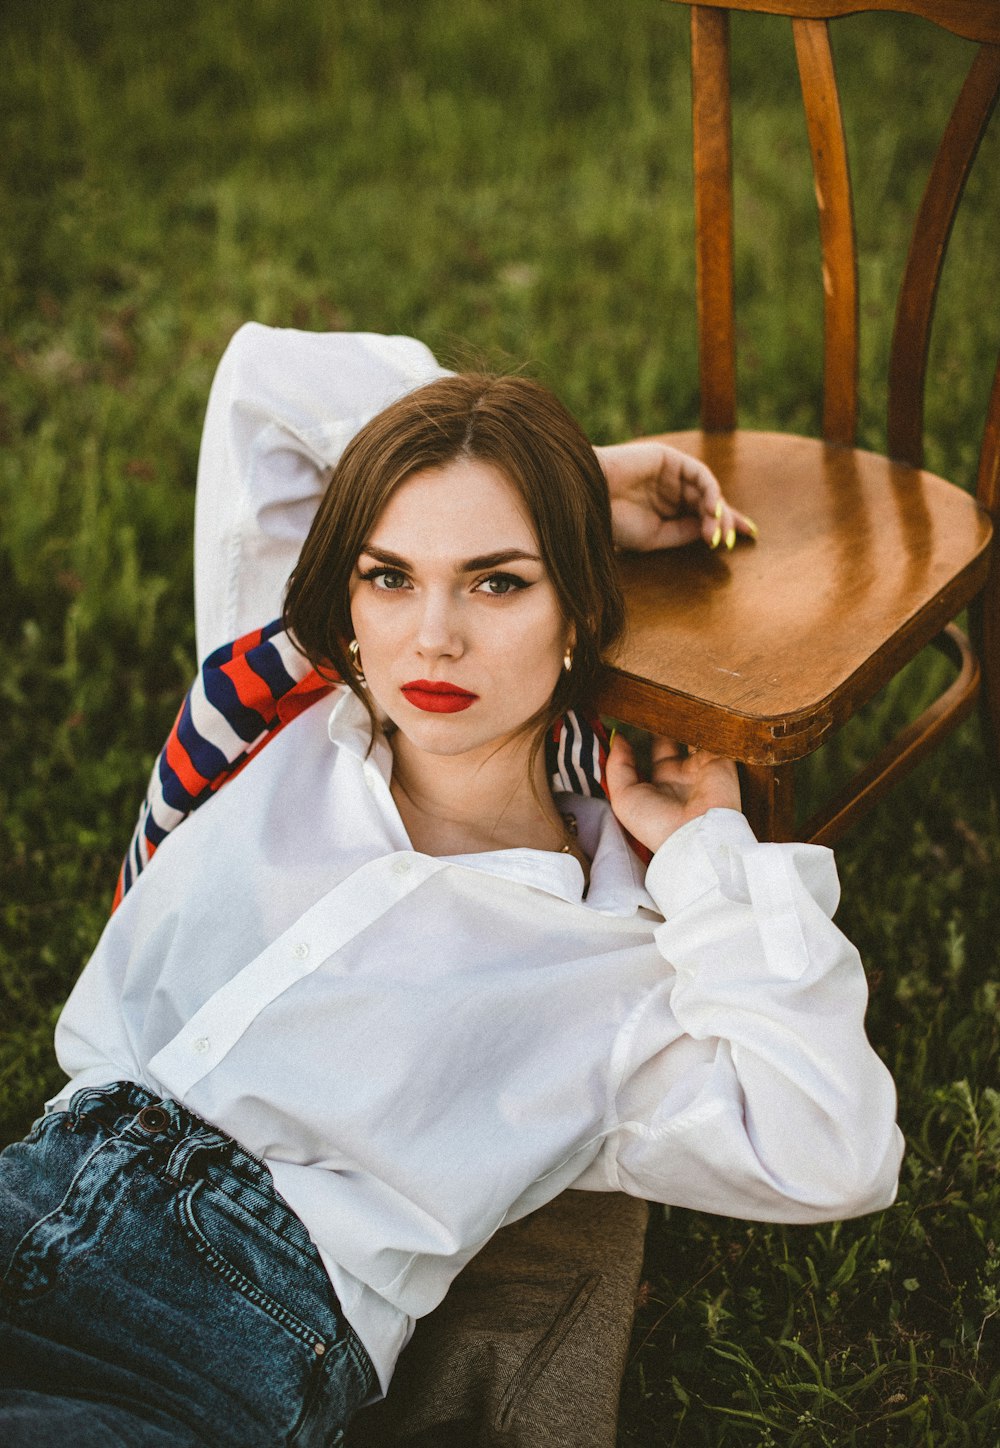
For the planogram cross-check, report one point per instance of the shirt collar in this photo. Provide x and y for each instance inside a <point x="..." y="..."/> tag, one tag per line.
<point x="616" y="874"/>
<point x="350" y="728"/>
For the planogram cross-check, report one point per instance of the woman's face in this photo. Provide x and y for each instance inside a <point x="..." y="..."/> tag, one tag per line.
<point x="457" y="621"/>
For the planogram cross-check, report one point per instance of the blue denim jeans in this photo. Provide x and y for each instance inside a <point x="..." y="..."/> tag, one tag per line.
<point x="158" y="1291"/>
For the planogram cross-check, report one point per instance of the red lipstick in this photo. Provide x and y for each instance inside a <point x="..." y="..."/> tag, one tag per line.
<point x="437" y="696"/>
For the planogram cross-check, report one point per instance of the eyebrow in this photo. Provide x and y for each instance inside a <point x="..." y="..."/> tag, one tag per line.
<point x="471" y="565"/>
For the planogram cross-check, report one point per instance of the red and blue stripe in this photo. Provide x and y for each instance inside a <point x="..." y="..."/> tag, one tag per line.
<point x="244" y="694"/>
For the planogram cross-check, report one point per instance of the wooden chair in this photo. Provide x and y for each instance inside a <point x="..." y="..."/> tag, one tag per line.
<point x="863" y="560"/>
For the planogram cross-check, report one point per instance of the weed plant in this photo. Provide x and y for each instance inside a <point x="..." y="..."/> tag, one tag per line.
<point x="511" y="182"/>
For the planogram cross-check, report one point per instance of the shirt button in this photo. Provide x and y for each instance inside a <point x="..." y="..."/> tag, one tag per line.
<point x="401" y="867"/>
<point x="301" y="950"/>
<point x="369" y="782"/>
<point x="201" y="1045"/>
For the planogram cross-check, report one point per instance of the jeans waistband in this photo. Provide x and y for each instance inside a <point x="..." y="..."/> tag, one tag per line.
<point x="186" y="1146"/>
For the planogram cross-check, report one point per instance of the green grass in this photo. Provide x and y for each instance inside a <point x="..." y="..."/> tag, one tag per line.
<point x="508" y="181"/>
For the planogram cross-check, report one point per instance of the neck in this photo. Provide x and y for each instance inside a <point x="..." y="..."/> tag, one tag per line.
<point x="463" y="804"/>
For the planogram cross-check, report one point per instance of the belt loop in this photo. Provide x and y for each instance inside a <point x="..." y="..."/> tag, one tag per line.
<point x="184" y="1153"/>
<point x="105" y="1104"/>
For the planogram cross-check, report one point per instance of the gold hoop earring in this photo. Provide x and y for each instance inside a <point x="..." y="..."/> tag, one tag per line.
<point x="354" y="654"/>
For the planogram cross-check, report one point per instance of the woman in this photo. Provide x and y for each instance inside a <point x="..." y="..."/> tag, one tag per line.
<point x="390" y="990"/>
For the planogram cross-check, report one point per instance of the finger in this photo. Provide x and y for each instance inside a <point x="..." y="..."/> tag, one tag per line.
<point x="620" y="770"/>
<point x="737" y="525"/>
<point x="678" y="764"/>
<point x="664" y="747"/>
<point x="669" y="761"/>
<point x="726" y="526"/>
<point x="700" y="490"/>
<point x="713" y="528"/>
<point x="700" y="497"/>
<point x="674" y="533"/>
<point x="746" y="526"/>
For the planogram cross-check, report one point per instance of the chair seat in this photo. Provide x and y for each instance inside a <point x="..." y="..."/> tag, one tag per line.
<point x="760" y="652"/>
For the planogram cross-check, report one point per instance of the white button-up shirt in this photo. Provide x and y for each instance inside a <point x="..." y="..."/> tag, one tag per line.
<point x="422" y="1049"/>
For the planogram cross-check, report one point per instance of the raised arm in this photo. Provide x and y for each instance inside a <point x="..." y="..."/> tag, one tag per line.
<point x="283" y="406"/>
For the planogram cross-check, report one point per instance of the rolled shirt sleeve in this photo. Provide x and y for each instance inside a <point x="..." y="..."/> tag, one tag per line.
<point x="283" y="406"/>
<point x="748" y="1086"/>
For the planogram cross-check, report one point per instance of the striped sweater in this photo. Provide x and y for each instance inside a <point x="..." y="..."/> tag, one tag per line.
<point x="244" y="694"/>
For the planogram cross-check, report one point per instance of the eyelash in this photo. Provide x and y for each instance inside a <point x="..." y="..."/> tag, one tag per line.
<point x="374" y="573"/>
<point x="516" y="583"/>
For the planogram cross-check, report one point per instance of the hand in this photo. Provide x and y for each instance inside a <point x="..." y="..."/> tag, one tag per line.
<point x="682" y="786"/>
<point x="663" y="498"/>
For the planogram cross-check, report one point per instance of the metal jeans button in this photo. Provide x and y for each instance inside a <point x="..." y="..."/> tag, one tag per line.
<point x="153" y="1118"/>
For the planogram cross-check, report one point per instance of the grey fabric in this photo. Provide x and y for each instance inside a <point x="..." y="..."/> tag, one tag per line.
<point x="528" y="1348"/>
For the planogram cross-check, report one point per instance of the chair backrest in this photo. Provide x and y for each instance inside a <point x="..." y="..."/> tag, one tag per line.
<point x="977" y="20"/>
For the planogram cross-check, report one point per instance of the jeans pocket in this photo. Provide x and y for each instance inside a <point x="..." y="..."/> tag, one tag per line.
<point x="264" y="1268"/>
<point x="36" y="1177"/>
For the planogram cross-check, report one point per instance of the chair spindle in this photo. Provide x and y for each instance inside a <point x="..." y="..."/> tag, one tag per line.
<point x="713" y="181"/>
<point x="915" y="309"/>
<point x="836" y="222"/>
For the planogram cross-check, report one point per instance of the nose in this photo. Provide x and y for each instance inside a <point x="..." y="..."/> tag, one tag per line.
<point x="439" y="631"/>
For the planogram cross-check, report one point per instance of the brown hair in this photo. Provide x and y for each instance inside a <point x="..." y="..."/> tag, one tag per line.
<point x="525" y="432"/>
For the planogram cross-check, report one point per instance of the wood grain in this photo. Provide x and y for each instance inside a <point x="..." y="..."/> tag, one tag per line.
<point x="906" y="749"/>
<point x="713" y="199"/>
<point x="768" y="800"/>
<point x="973" y="19"/>
<point x="918" y="293"/>
<point x="760" y="653"/>
<point x="836" y="225"/>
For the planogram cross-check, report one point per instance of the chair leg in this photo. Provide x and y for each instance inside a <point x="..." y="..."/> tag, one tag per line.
<point x="984" y="627"/>
<point x="769" y="800"/>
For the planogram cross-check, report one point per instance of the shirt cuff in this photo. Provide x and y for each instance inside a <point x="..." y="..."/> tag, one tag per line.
<point x="701" y="856"/>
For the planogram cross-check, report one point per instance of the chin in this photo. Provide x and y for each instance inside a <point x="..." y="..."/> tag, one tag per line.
<point x="449" y="734"/>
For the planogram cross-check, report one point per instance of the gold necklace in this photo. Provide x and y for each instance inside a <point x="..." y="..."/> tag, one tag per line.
<point x="570" y="832"/>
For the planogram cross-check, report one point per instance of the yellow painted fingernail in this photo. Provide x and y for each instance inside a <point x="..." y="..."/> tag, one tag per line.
<point x="731" y="539"/>
<point x="718" y="509"/>
<point x="716" y="537"/>
<point x="611" y="737"/>
<point x="754" y="531"/>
